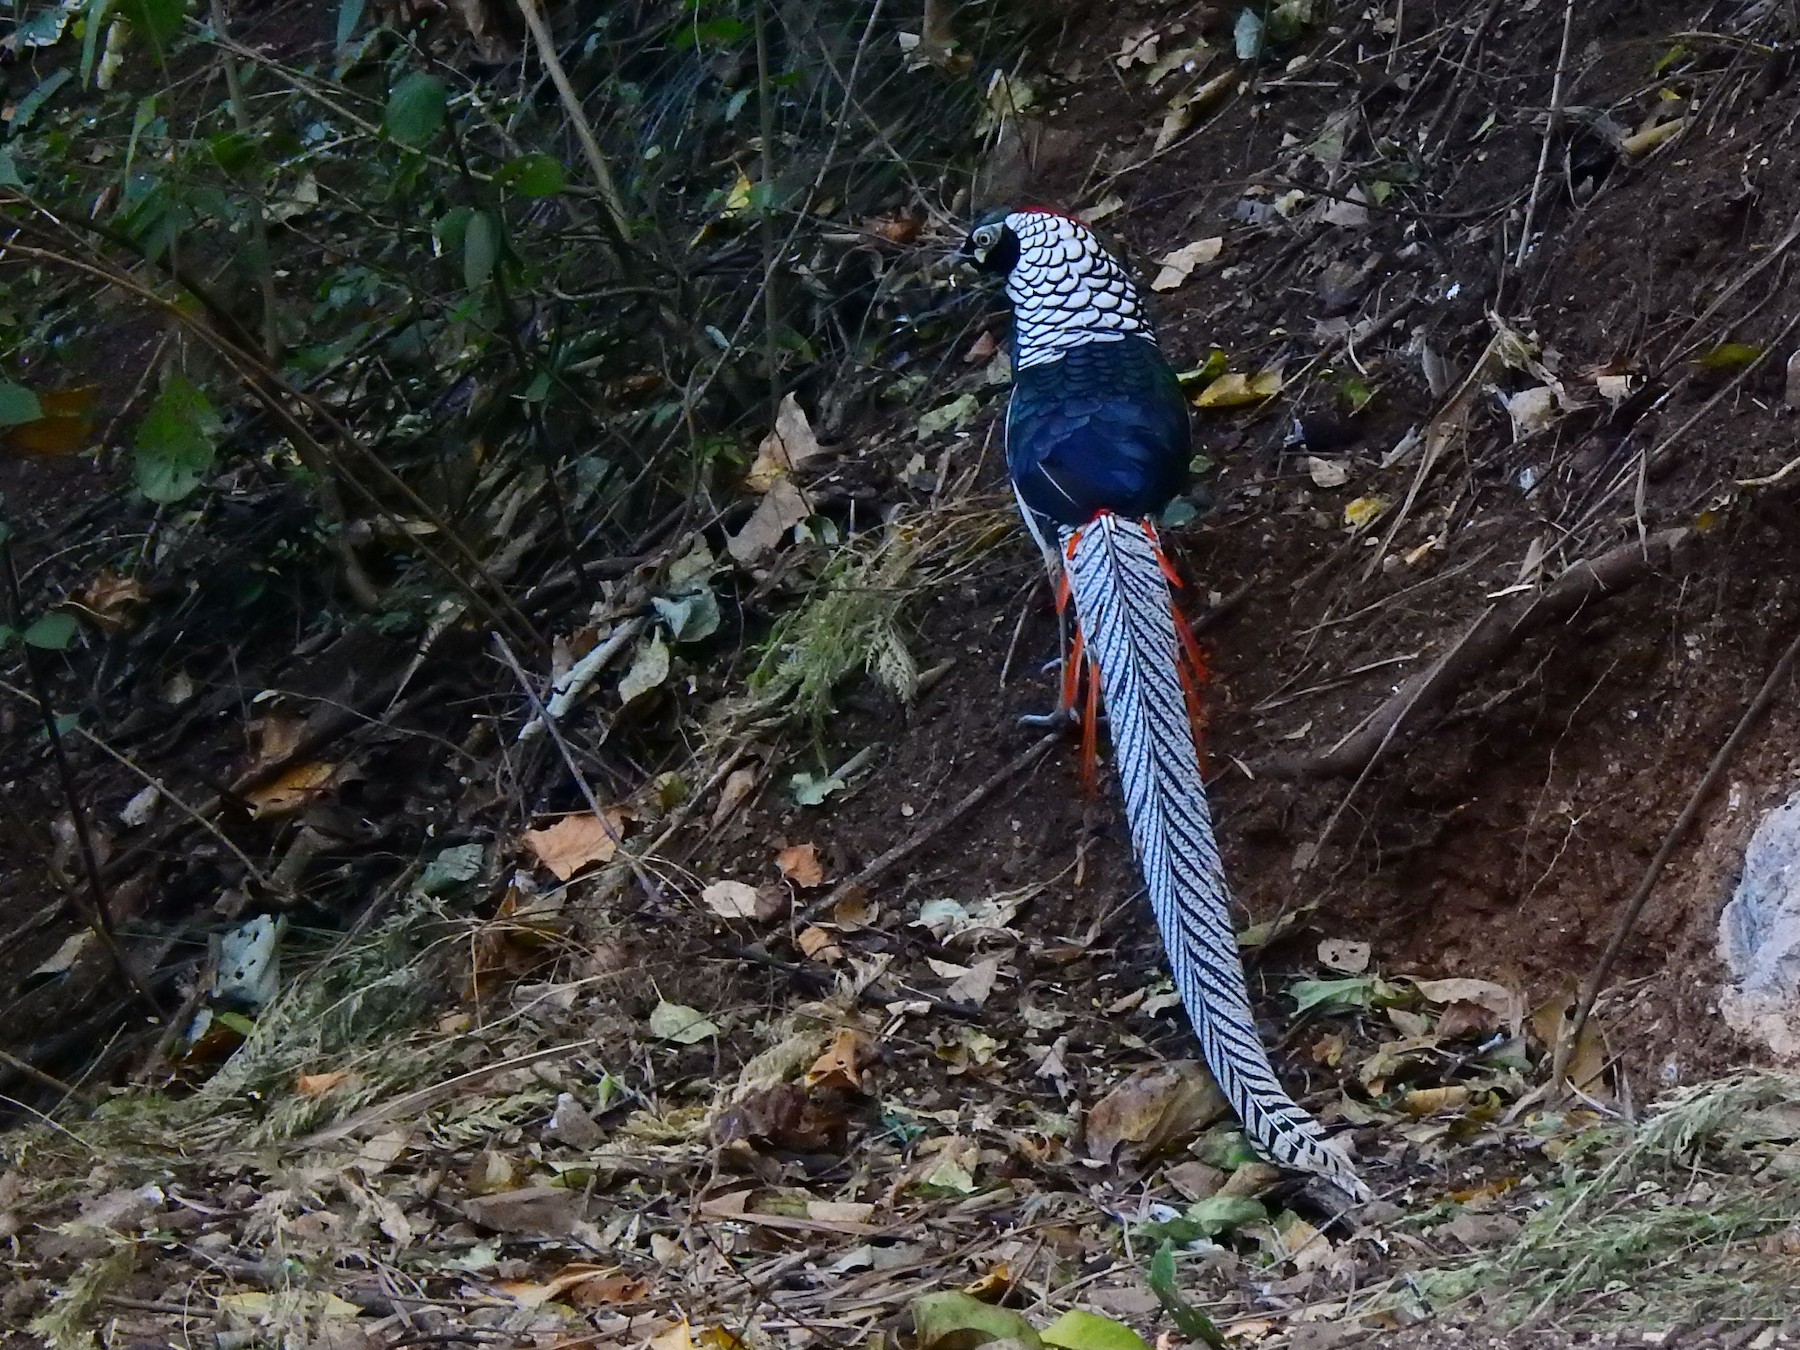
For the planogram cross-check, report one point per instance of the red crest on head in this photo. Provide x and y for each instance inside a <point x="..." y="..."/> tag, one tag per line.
<point x="1040" y="208"/>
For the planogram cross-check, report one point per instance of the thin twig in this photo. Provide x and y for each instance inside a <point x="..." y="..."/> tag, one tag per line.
<point x="100" y="918"/>
<point x="617" y="219"/>
<point x="1550" y="129"/>
<point x="930" y="830"/>
<point x="1715" y="771"/>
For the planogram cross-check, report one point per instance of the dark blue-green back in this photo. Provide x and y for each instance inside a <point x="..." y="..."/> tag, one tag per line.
<point x="1102" y="428"/>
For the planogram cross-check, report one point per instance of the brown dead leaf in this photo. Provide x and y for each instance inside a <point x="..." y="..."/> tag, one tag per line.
<point x="785" y="448"/>
<point x="993" y="1284"/>
<point x="585" y="1285"/>
<point x="111" y="600"/>
<point x="66" y="426"/>
<point x="783" y="1117"/>
<point x="783" y="506"/>
<point x="1463" y="1020"/>
<point x="982" y="350"/>
<point x="895" y="229"/>
<point x="1155" y="1108"/>
<point x="294" y="790"/>
<point x="818" y="945"/>
<point x="318" y="1084"/>
<point x="1496" y="998"/>
<point x="545" y="1211"/>
<point x="275" y="738"/>
<point x="737" y="787"/>
<point x="840" y="1067"/>
<point x="518" y="939"/>
<point x="1195" y="1180"/>
<point x="1587" y="1061"/>
<point x="575" y="842"/>
<point x="800" y="864"/>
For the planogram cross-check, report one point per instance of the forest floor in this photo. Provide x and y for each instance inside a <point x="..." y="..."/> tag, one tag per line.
<point x="870" y="1041"/>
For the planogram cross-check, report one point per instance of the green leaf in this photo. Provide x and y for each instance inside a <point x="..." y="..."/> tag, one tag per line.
<point x="415" y="109"/>
<point x="481" y="248"/>
<point x="1078" y="1329"/>
<point x="18" y="405"/>
<point x="679" y="1023"/>
<point x="533" y="176"/>
<point x="1222" y="1213"/>
<point x="350" y="14"/>
<point x="1729" y="356"/>
<point x="1357" y="991"/>
<point x="9" y="171"/>
<point x="236" y="1021"/>
<point x="159" y="20"/>
<point x="709" y="33"/>
<point x="952" y="1320"/>
<point x="232" y="150"/>
<point x="94" y="24"/>
<point x="26" y="108"/>
<point x="176" y="442"/>
<point x="1188" y="1319"/>
<point x="452" y="230"/>
<point x="812" y="789"/>
<point x="453" y="867"/>
<point x="52" y="632"/>
<point x="691" y="617"/>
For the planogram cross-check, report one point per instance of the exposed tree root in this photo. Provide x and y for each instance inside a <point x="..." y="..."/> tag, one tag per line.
<point x="1500" y="628"/>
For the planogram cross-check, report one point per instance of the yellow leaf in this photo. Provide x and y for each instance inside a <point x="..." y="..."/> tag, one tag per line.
<point x="1240" y="391"/>
<point x="1422" y="1102"/>
<point x="1364" y="511"/>
<point x="738" y="201"/>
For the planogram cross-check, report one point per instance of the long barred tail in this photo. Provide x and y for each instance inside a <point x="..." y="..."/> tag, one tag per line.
<point x="1127" y="621"/>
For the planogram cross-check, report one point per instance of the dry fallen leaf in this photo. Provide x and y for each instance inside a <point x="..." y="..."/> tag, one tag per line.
<point x="800" y="864"/>
<point x="1154" y="1109"/>
<point x="110" y="600"/>
<point x="785" y="448"/>
<point x="731" y="899"/>
<point x="737" y="787"/>
<point x="318" y="1084"/>
<point x="1240" y="391"/>
<point x="783" y="506"/>
<point x="818" y="945"/>
<point x="1327" y="473"/>
<point x="299" y="787"/>
<point x="1344" y="956"/>
<point x="1178" y="266"/>
<point x="1422" y="1102"/>
<point x="575" y="842"/>
<point x="840" y="1067"/>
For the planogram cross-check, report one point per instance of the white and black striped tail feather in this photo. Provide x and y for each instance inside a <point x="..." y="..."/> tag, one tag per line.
<point x="1126" y="613"/>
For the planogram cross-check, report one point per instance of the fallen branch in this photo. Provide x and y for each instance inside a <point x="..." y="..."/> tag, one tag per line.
<point x="1501" y="628"/>
<point x="1596" y="980"/>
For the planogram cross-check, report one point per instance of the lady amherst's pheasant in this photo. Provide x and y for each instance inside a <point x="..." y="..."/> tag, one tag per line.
<point x="1097" y="445"/>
